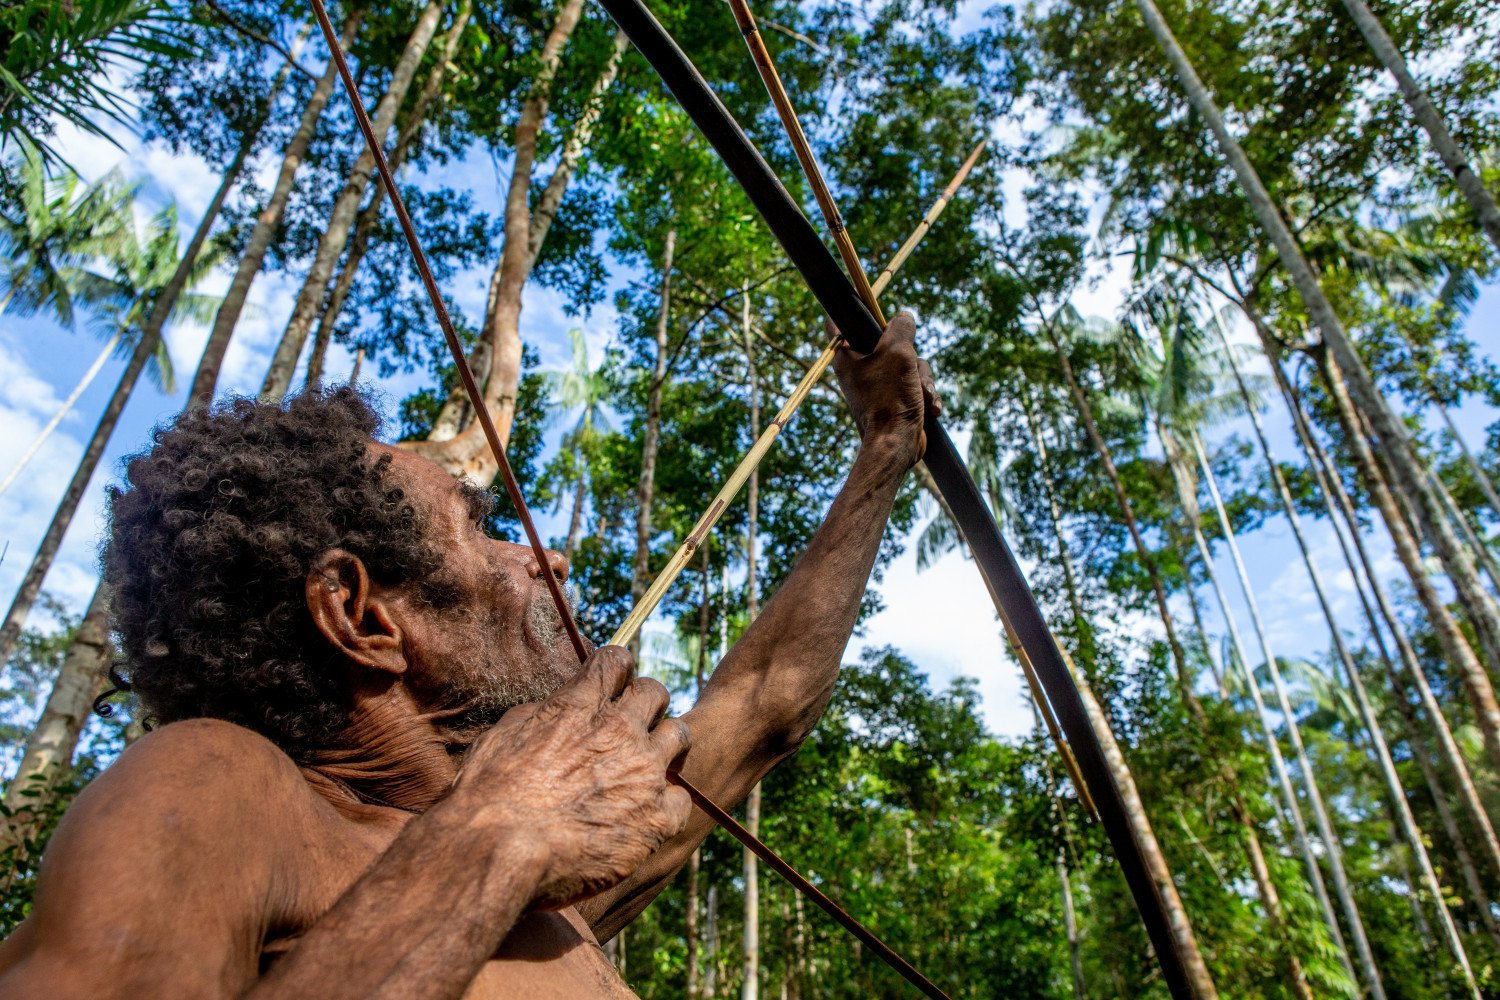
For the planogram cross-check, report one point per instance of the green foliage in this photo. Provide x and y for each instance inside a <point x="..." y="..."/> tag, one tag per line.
<point x="58" y="56"/>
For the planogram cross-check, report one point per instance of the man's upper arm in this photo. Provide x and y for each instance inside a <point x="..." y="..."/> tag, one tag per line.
<point x="162" y="872"/>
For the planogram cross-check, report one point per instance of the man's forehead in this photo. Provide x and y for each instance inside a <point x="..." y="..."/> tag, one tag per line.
<point x="425" y="475"/>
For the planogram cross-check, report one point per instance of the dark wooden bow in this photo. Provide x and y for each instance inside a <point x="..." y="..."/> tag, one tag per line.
<point x="1006" y="583"/>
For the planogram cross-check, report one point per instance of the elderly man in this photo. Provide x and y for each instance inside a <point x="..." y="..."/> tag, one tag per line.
<point x="379" y="769"/>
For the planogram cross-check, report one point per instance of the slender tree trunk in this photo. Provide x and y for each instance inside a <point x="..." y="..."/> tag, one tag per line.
<point x="370" y="215"/>
<point x="1143" y="552"/>
<point x="1064" y="877"/>
<point x="1406" y="822"/>
<point x="462" y="450"/>
<point x="1480" y="476"/>
<point x="49" y="749"/>
<point x="1479" y="897"/>
<point x="64" y="409"/>
<point x="36" y="573"/>
<point x="1199" y="980"/>
<point x="1273" y="748"/>
<point x="310" y="299"/>
<point x="1322" y="465"/>
<point x="751" y="989"/>
<point x="711" y="974"/>
<point x="1427" y="116"/>
<point x="1070" y="926"/>
<point x="1333" y="847"/>
<point x="266" y="225"/>
<point x="575" y="520"/>
<point x="640" y="577"/>
<point x="1455" y="645"/>
<point x="1395" y="446"/>
<point x="455" y="412"/>
<point x="1481" y="551"/>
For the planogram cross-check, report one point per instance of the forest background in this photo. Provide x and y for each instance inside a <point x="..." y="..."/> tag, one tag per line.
<point x="1080" y="277"/>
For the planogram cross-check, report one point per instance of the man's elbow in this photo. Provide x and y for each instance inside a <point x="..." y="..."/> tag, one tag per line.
<point x="790" y="721"/>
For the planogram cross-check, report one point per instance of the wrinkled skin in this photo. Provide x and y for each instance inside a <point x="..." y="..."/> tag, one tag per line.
<point x="497" y="810"/>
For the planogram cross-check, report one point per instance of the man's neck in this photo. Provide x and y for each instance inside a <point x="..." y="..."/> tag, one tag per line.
<point x="391" y="758"/>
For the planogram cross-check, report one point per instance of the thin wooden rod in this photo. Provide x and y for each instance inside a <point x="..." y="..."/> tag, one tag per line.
<point x="675" y="565"/>
<point x="772" y="79"/>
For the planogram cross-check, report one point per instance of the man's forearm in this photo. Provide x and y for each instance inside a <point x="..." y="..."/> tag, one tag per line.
<point x="422" y="921"/>
<point x="791" y="654"/>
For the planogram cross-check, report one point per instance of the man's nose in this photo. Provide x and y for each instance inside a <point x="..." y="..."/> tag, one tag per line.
<point x="556" y="562"/>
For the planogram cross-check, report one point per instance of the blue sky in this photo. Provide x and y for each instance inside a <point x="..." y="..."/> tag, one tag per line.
<point x="941" y="617"/>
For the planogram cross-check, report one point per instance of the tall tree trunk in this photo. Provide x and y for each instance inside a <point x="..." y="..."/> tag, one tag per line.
<point x="1200" y="982"/>
<point x="1427" y="116"/>
<point x="1322" y="465"/>
<point x="1289" y="802"/>
<point x="711" y="974"/>
<point x="1451" y="639"/>
<point x="1143" y="552"/>
<point x="63" y="410"/>
<point x="751" y="989"/>
<point x="462" y="450"/>
<point x="1395" y="447"/>
<point x="1406" y="822"/>
<point x="411" y="128"/>
<point x="575" y="519"/>
<point x="266" y="225"/>
<point x="1064" y="877"/>
<point x="1471" y="538"/>
<point x="640" y="576"/>
<point x="451" y="419"/>
<point x="1333" y="847"/>
<point x="31" y="583"/>
<point x="49" y="749"/>
<point x="310" y="299"/>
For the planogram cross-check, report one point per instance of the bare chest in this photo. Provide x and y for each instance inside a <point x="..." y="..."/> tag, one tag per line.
<point x="545" y="955"/>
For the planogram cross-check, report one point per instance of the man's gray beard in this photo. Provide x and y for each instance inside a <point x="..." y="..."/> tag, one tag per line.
<point x="488" y="695"/>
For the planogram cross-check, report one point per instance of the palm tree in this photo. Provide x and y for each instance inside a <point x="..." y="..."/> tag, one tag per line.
<point x="50" y="233"/>
<point x="145" y="268"/>
<point x="55" y="62"/>
<point x="583" y="389"/>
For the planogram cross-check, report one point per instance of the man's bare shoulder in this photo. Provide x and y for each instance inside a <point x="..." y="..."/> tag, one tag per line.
<point x="203" y="767"/>
<point x="189" y="829"/>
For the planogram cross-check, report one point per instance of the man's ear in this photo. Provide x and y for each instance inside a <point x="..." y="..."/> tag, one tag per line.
<point x="355" y="618"/>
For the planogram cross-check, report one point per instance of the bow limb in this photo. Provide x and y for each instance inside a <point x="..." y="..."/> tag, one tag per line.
<point x="1007" y="583"/>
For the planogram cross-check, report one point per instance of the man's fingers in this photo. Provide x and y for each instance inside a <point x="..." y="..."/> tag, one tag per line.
<point x="671" y="740"/>
<point x="678" y="807"/>
<point x="645" y="701"/>
<point x="900" y="330"/>
<point x="604" y="675"/>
